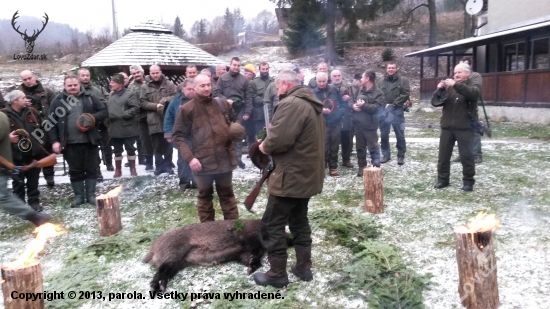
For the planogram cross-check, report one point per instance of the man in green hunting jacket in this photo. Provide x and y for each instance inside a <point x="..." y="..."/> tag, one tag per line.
<point x="458" y="97"/>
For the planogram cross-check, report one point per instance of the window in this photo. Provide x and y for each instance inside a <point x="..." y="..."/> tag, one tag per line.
<point x="514" y="56"/>
<point x="540" y="58"/>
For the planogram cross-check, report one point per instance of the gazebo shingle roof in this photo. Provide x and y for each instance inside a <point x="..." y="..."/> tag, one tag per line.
<point x="151" y="43"/>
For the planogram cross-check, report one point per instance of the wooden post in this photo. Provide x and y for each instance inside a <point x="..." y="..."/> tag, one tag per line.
<point x="374" y="190"/>
<point x="23" y="280"/>
<point x="477" y="268"/>
<point x="108" y="214"/>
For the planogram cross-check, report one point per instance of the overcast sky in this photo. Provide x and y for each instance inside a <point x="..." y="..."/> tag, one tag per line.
<point x="96" y="14"/>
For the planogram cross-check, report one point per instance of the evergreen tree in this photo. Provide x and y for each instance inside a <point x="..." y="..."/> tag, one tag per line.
<point x="351" y="11"/>
<point x="238" y="23"/>
<point x="178" y="28"/>
<point x="304" y="24"/>
<point x="229" y="24"/>
<point x="202" y="31"/>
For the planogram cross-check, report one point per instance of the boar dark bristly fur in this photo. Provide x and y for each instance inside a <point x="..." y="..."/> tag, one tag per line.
<point x="208" y="243"/>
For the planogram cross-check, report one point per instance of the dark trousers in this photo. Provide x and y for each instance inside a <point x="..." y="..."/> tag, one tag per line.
<point x="366" y="139"/>
<point x="250" y="131"/>
<point x="106" y="145"/>
<point x="48" y="172"/>
<point x="184" y="170"/>
<point x="476" y="145"/>
<point x="146" y="143"/>
<point x="278" y="212"/>
<point x="347" y="144"/>
<point x="239" y="144"/>
<point x="32" y="177"/>
<point x="141" y="156"/>
<point x="162" y="149"/>
<point x="127" y="143"/>
<point x="332" y="144"/>
<point x="224" y="188"/>
<point x="447" y="141"/>
<point x="399" y="129"/>
<point x="82" y="160"/>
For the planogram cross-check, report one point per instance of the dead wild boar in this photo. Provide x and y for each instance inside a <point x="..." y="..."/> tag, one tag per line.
<point x="207" y="243"/>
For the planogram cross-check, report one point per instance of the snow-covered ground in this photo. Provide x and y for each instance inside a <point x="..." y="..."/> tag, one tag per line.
<point x="513" y="182"/>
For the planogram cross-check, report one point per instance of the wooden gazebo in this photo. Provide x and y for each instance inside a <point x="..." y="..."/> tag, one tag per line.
<point x="147" y="44"/>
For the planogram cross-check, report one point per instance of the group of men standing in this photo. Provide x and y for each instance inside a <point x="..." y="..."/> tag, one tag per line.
<point x="361" y="109"/>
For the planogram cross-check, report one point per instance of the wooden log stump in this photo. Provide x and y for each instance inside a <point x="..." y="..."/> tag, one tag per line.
<point x="26" y="279"/>
<point x="108" y="214"/>
<point x="477" y="268"/>
<point x="374" y="190"/>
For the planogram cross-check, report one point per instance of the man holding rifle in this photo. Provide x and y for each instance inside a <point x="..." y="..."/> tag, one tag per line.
<point x="296" y="144"/>
<point x="8" y="202"/>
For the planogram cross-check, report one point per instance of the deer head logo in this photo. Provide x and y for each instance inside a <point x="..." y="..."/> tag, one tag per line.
<point x="29" y="40"/>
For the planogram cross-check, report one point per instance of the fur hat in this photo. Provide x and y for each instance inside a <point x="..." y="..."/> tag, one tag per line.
<point x="258" y="158"/>
<point x="118" y="78"/>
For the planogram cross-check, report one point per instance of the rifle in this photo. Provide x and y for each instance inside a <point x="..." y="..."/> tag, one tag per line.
<point x="486" y="129"/>
<point x="251" y="198"/>
<point x="16" y="170"/>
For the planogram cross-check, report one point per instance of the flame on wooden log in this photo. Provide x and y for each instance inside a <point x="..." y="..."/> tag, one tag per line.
<point x="43" y="233"/>
<point x="475" y="255"/>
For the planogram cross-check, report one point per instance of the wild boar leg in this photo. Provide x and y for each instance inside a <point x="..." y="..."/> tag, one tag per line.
<point x="165" y="272"/>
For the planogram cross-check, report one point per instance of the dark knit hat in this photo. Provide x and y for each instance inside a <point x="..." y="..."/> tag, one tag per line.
<point x="118" y="78"/>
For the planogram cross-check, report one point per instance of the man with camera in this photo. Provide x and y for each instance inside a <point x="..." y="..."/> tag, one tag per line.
<point x="458" y="97"/>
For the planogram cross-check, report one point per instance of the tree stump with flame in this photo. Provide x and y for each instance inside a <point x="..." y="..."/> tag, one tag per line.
<point x="477" y="268"/>
<point x="108" y="212"/>
<point x="374" y="190"/>
<point x="22" y="279"/>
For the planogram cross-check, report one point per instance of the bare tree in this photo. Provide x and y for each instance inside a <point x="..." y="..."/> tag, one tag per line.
<point x="265" y="22"/>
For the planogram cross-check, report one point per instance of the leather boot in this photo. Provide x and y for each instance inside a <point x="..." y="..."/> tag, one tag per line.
<point x="118" y="167"/>
<point x="90" y="190"/>
<point x="360" y="171"/>
<point x="38" y="218"/>
<point x="78" y="189"/>
<point x="149" y="162"/>
<point x="276" y="276"/>
<point x="302" y="267"/>
<point x="375" y="158"/>
<point x="109" y="163"/>
<point x="132" y="163"/>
